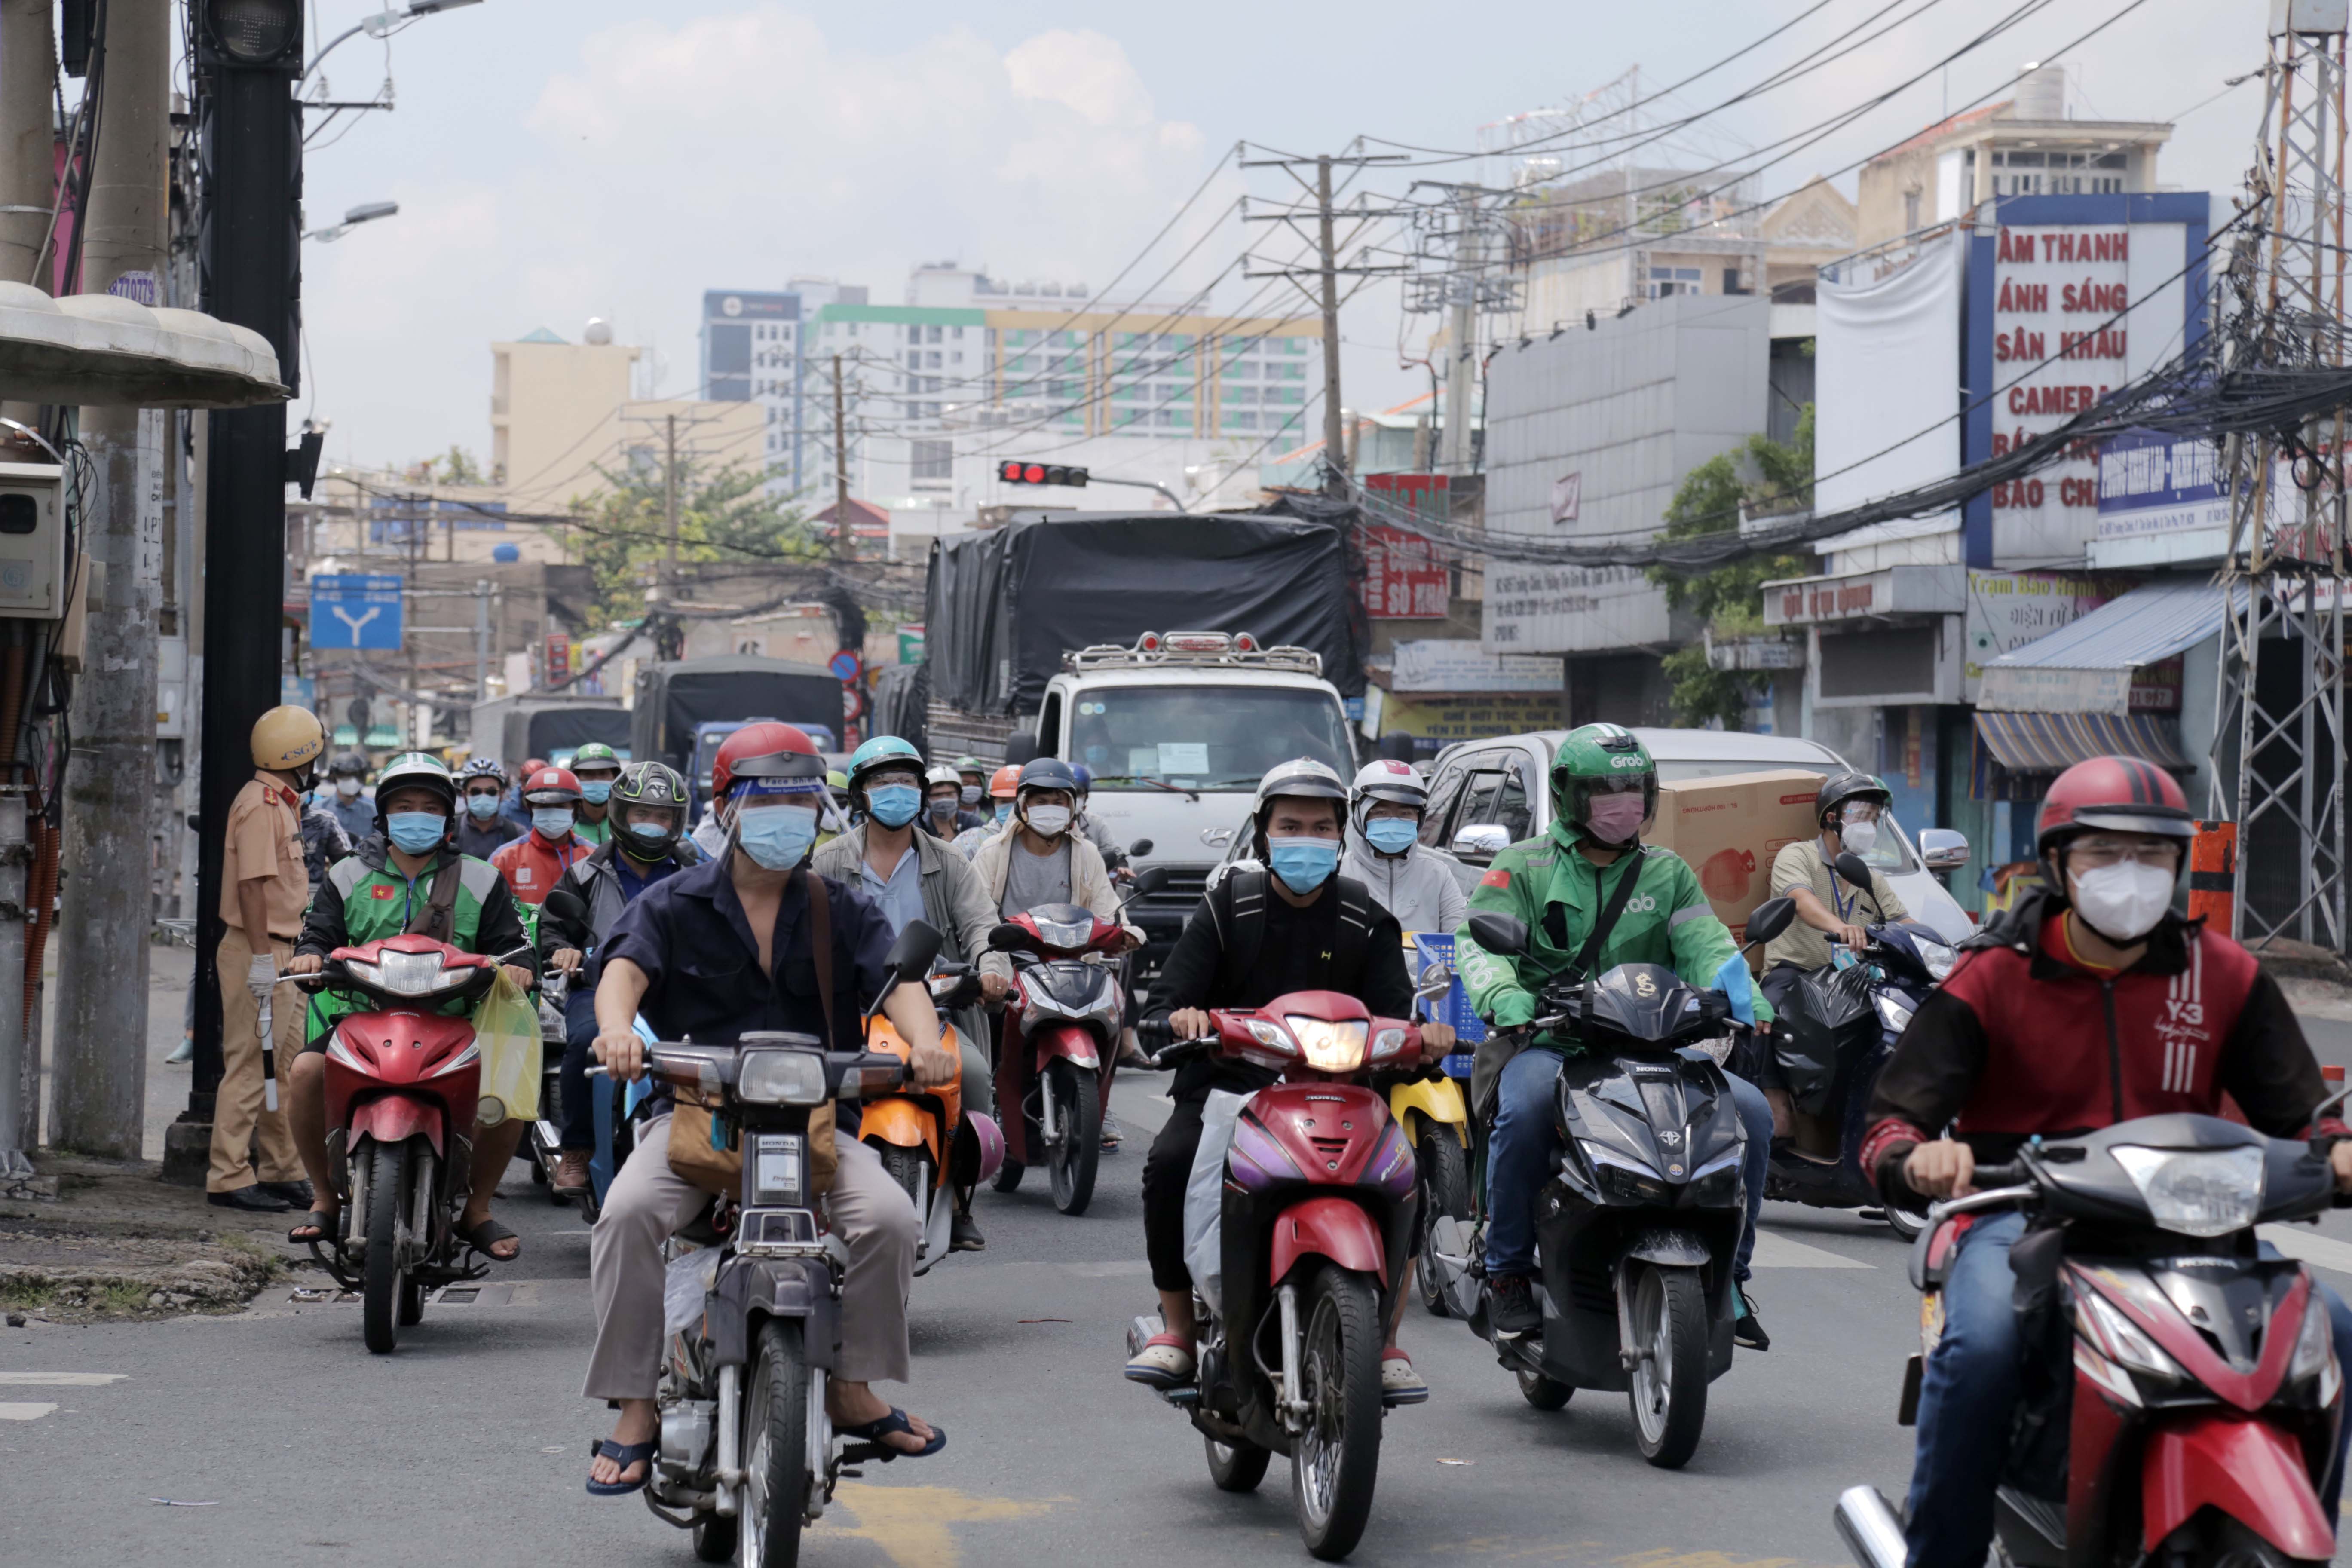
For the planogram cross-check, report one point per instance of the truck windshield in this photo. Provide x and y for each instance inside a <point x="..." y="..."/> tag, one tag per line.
<point x="1204" y="737"/>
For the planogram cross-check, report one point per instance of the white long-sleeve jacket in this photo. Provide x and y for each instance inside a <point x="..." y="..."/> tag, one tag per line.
<point x="1420" y="887"/>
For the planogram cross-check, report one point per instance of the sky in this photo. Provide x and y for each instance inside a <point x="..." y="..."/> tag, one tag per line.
<point x="556" y="160"/>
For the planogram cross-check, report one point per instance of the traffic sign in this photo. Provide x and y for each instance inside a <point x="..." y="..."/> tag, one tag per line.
<point x="844" y="665"/>
<point x="355" y="610"/>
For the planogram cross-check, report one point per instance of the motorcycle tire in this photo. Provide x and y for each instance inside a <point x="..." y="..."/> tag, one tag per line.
<point x="1238" y="1466"/>
<point x="1444" y="1191"/>
<point x="775" y="1450"/>
<point x="1335" y="1462"/>
<point x="912" y="1169"/>
<point x="1008" y="1176"/>
<point x="1905" y="1224"/>
<point x="1544" y="1392"/>
<point x="384" y="1284"/>
<point x="1668" y="1390"/>
<point x="1077" y="1103"/>
<point x="412" y="1301"/>
<point x="716" y="1538"/>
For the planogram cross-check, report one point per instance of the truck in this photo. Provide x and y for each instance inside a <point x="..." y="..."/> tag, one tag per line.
<point x="675" y="700"/>
<point x="553" y="726"/>
<point x="1177" y="658"/>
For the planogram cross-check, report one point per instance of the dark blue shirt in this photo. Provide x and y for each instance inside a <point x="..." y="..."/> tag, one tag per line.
<point x="631" y="884"/>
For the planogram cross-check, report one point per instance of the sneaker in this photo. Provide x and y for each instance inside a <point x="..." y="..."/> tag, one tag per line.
<point x="570" y="1177"/>
<point x="1511" y="1307"/>
<point x="184" y="1053"/>
<point x="1746" y="1330"/>
<point x="1400" y="1384"/>
<point x="963" y="1233"/>
<point x="1111" y="1133"/>
<point x="1164" y="1361"/>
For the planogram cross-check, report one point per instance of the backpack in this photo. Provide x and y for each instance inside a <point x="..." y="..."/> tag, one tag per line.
<point x="1237" y="904"/>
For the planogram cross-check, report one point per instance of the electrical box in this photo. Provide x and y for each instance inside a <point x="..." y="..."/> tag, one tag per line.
<point x="32" y="541"/>
<point x="2308" y="15"/>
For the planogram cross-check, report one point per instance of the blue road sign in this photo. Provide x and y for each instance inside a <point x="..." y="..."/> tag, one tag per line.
<point x="844" y="665"/>
<point x="355" y="610"/>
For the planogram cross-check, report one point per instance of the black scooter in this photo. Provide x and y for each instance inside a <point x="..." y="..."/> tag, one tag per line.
<point x="1638" y="1230"/>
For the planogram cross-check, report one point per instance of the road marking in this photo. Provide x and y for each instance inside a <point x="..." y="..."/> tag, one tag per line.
<point x="1774" y="1251"/>
<point x="2302" y="1242"/>
<point x="22" y="1410"/>
<point x="1117" y="1269"/>
<point x="910" y="1523"/>
<point x="61" y="1379"/>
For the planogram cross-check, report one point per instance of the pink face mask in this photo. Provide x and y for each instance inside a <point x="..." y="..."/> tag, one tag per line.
<point x="1615" y="818"/>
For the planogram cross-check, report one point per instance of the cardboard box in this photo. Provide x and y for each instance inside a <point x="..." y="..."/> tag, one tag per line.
<point x="1729" y="827"/>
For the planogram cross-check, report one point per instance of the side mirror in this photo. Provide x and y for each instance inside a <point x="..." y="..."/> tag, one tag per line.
<point x="1140" y="848"/>
<point x="1021" y="748"/>
<point x="910" y="956"/>
<point x="1149" y="880"/>
<point x="1506" y="934"/>
<point x="1853" y="870"/>
<point x="1769" y="919"/>
<point x="1008" y="938"/>
<point x="1481" y="841"/>
<point x="1943" y="849"/>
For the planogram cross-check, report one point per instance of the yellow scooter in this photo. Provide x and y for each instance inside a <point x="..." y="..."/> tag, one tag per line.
<point x="1432" y="1108"/>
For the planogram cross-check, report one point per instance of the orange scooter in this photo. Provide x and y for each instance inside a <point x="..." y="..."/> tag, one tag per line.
<point x="913" y="1129"/>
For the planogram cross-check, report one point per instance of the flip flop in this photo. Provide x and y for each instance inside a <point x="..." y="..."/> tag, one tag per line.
<point x="320" y="1221"/>
<point x="489" y="1234"/>
<point x="882" y="1426"/>
<point x="623" y="1455"/>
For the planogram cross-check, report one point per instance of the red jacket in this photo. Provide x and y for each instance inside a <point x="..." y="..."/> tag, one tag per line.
<point x="532" y="865"/>
<point x="2020" y="1041"/>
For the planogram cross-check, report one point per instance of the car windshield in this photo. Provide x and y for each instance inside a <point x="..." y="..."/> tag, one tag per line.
<point x="1892" y="854"/>
<point x="1204" y="737"/>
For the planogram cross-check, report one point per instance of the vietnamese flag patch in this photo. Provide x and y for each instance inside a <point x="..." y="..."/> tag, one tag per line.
<point x="1498" y="877"/>
<point x="382" y="891"/>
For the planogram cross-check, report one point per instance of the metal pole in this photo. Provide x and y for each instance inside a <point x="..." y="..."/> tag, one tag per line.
<point x="1461" y="371"/>
<point x="841" y="536"/>
<point x="98" y="1098"/>
<point x="669" y="497"/>
<point x="482" y="640"/>
<point x="1334" y="456"/>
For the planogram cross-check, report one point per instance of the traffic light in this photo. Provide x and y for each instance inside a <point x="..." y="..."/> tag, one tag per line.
<point x="1015" y="471"/>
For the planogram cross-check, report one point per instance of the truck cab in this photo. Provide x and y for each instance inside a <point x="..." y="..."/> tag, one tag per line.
<point x="1177" y="730"/>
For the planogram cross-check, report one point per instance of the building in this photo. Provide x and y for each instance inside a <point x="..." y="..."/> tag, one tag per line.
<point x="751" y="352"/>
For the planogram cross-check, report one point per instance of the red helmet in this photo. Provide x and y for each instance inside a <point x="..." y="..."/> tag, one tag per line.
<point x="765" y="750"/>
<point x="2122" y="794"/>
<point x="548" y="785"/>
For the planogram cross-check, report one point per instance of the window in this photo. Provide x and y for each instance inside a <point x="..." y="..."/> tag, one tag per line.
<point x="956" y="332"/>
<point x="932" y="462"/>
<point x="931" y="361"/>
<point x="1670" y="280"/>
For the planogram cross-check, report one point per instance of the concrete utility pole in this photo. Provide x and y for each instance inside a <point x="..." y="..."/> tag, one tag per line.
<point x="1461" y="333"/>
<point x="1334" y="445"/>
<point x="100" y="1099"/>
<point x="481" y="639"/>
<point x="669" y="499"/>
<point x="841" y="536"/>
<point x="29" y="55"/>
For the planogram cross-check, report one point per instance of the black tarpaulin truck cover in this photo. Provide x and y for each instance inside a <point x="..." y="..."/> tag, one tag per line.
<point x="1003" y="607"/>
<point x="674" y="697"/>
<point x="551" y="730"/>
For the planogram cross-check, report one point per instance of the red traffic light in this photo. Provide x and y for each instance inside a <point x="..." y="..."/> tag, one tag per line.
<point x="1035" y="474"/>
<point x="1019" y="473"/>
<point x="1008" y="472"/>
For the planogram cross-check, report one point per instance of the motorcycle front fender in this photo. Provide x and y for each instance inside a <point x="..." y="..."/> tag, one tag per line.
<point x="1435" y="1100"/>
<point x="2242" y="1465"/>
<point x="1669" y="1248"/>
<point x="1328" y="1227"/>
<point x="751" y="1288"/>
<point x="394" y="1119"/>
<point x="901" y="1122"/>
<point x="1074" y="1042"/>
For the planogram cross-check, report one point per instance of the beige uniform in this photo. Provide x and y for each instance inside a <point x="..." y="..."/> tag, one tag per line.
<point x="1800" y="865"/>
<point x="265" y="841"/>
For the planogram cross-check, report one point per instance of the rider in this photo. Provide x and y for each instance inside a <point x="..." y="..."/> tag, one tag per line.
<point x="484" y="830"/>
<point x="911" y="876"/>
<point x="1001" y="788"/>
<point x="1604" y="789"/>
<point x="2086" y="1004"/>
<point x="598" y="768"/>
<point x="535" y="862"/>
<point x="1412" y="882"/>
<point x="407" y="876"/>
<point x="973" y="776"/>
<point x="943" y="813"/>
<point x="346" y="772"/>
<point x="1846" y="813"/>
<point x="1096" y="831"/>
<point x="517" y="811"/>
<point x="1259" y="934"/>
<point x="719" y="951"/>
<point x="649" y="811"/>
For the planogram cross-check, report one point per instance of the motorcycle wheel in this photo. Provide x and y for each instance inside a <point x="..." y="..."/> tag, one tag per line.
<point x="412" y="1301"/>
<point x="1669" y="1383"/>
<point x="1236" y="1466"/>
<point x="1008" y="1176"/>
<point x="1336" y="1460"/>
<point x="1904" y="1222"/>
<point x="716" y="1538"/>
<point x="1078" y="1109"/>
<point x="912" y="1169"/>
<point x="385" y="1284"/>
<point x="775" y="1450"/>
<point x="1444" y="1191"/>
<point x="1543" y="1393"/>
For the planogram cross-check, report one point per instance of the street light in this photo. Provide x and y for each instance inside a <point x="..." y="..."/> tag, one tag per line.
<point x="366" y="212"/>
<point x="385" y="23"/>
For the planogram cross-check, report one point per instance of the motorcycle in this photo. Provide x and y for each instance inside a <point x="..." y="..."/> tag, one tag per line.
<point x="914" y="1130"/>
<point x="403" y="1099"/>
<point x="542" y="1146"/>
<point x="1317" y="1227"/>
<point x="1837" y="1027"/>
<point x="1434" y="1112"/>
<point x="746" y="1456"/>
<point x="2200" y="1418"/>
<point x="1638" y="1230"/>
<point x="613" y="1105"/>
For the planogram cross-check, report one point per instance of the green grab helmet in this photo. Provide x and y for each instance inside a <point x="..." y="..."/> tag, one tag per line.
<point x="595" y="754"/>
<point x="1589" y="755"/>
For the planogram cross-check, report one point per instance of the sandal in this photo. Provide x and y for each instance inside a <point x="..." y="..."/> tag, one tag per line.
<point x="318" y="1220"/>
<point x="882" y="1426"/>
<point x="489" y="1234"/>
<point x="623" y="1455"/>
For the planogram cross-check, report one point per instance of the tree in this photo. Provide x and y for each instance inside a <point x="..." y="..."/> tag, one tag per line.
<point x="455" y="466"/>
<point x="1765" y="476"/>
<point x="725" y="514"/>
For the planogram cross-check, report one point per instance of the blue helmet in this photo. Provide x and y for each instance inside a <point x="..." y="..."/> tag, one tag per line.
<point x="881" y="751"/>
<point x="1084" y="775"/>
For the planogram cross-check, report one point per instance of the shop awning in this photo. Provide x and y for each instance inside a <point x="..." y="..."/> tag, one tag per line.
<point x="2085" y="667"/>
<point x="2053" y="743"/>
<point x="105" y="348"/>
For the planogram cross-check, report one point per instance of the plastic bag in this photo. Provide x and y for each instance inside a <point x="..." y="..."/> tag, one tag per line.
<point x="686" y="1280"/>
<point x="1205" y="1198"/>
<point x="506" y="1026"/>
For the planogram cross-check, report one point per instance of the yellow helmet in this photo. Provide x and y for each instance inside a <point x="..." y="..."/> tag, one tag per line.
<point x="285" y="740"/>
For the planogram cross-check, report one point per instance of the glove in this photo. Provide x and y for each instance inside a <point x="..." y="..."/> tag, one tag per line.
<point x="1514" y="1008"/>
<point x="1733" y="980"/>
<point x="261" y="976"/>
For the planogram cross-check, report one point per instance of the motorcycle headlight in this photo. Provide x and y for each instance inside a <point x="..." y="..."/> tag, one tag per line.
<point x="2120" y="1340"/>
<point x="1330" y="1045"/>
<point x="2197" y="1192"/>
<point x="407" y="973"/>
<point x="1938" y="957"/>
<point x="1894" y="1012"/>
<point x="1064" y="934"/>
<point x="1621" y="1183"/>
<point x="781" y="1078"/>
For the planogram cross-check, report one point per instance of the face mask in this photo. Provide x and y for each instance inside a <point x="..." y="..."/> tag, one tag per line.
<point x="971" y="793"/>
<point x="777" y="837"/>
<point x="1303" y="864"/>
<point x="415" y="832"/>
<point x="1003" y="810"/>
<point x="596" y="792"/>
<point x="944" y="808"/>
<point x="650" y="834"/>
<point x="2122" y="903"/>
<point x="552" y="821"/>
<point x="482" y="805"/>
<point x="1614" y="819"/>
<point x="1859" y="837"/>
<point x="1391" y="834"/>
<point x="1052" y="821"/>
<point x="894" y="806"/>
<point x="349" y="788"/>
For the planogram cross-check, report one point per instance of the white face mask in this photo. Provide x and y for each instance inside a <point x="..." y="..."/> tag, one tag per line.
<point x="1859" y="837"/>
<point x="347" y="786"/>
<point x="2122" y="903"/>
<point x="1049" y="820"/>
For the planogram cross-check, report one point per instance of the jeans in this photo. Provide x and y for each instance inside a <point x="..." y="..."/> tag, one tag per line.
<point x="1524" y="1151"/>
<point x="1970" y="1389"/>
<point x="579" y="1034"/>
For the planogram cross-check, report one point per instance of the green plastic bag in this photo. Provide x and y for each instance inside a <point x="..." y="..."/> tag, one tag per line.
<point x="507" y="1028"/>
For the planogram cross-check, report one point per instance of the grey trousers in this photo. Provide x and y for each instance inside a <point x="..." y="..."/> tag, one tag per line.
<point x="648" y="1202"/>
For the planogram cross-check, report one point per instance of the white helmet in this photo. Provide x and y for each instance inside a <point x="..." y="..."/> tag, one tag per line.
<point x="1301" y="778"/>
<point x="1385" y="780"/>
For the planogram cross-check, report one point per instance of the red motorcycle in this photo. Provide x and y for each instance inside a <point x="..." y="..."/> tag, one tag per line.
<point x="1317" y="1228"/>
<point x="1062" y="1025"/>
<point x="403" y="1099"/>
<point x="2200" y="1414"/>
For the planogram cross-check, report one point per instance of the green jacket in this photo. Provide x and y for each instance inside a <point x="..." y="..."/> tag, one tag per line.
<point x="365" y="898"/>
<point x="1667" y="921"/>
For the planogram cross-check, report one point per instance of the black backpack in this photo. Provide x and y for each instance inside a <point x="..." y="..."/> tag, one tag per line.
<point x="1237" y="904"/>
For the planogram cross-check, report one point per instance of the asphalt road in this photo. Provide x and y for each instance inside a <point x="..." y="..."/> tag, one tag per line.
<point x="468" y="1445"/>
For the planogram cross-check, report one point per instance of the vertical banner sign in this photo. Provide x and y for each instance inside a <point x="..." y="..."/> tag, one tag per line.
<point x="2055" y="291"/>
<point x="1405" y="579"/>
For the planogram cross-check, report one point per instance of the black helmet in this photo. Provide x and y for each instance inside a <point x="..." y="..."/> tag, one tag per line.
<point x="1840" y="787"/>
<point x="347" y="762"/>
<point x="1046" y="772"/>
<point x="655" y="784"/>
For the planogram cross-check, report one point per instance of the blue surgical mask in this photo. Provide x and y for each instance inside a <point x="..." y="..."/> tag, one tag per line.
<point x="1303" y="864"/>
<point x="1391" y="834"/>
<point x="943" y="806"/>
<point x="649" y="832"/>
<point x="777" y="837"/>
<point x="1003" y="811"/>
<point x="894" y="806"/>
<point x="971" y="793"/>
<point x="552" y="821"/>
<point x="482" y="805"/>
<point x="415" y="832"/>
<point x="596" y="792"/>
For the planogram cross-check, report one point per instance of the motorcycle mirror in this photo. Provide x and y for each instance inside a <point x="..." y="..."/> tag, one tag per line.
<point x="1500" y="933"/>
<point x="1770" y="918"/>
<point x="1141" y="847"/>
<point x="568" y="904"/>
<point x="910" y="956"/>
<point x="1008" y="938"/>
<point x="1853" y="870"/>
<point x="1151" y="879"/>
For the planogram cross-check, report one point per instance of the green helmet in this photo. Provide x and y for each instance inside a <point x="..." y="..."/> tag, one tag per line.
<point x="595" y="754"/>
<point x="408" y="770"/>
<point x="1585" y="759"/>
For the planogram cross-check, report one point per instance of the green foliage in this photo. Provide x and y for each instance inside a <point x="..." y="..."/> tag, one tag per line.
<point x="455" y="466"/>
<point x="723" y="515"/>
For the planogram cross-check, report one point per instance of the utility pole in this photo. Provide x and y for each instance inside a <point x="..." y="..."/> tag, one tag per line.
<point x="28" y="53"/>
<point x="840" y="536"/>
<point x="481" y="639"/>
<point x="1334" y="448"/>
<point x="669" y="499"/>
<point x="409" y="622"/>
<point x="1461" y="328"/>
<point x="98" y="1101"/>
